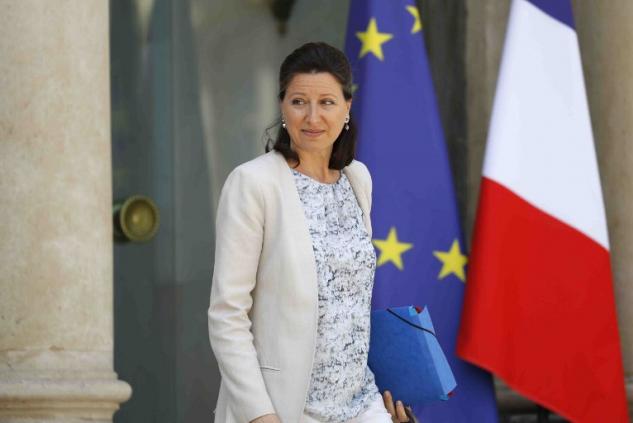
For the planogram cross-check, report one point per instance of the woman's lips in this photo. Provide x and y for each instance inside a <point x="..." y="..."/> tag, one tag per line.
<point x="312" y="133"/>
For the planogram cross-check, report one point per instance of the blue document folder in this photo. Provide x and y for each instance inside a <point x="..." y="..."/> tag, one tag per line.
<point x="406" y="357"/>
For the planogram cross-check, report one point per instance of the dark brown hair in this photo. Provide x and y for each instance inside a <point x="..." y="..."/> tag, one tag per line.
<point x="315" y="58"/>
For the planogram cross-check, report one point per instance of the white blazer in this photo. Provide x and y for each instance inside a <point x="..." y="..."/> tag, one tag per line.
<point x="263" y="308"/>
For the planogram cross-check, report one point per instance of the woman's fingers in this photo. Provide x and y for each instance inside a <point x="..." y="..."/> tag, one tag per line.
<point x="388" y="400"/>
<point x="401" y="415"/>
<point x="397" y="411"/>
<point x="410" y="414"/>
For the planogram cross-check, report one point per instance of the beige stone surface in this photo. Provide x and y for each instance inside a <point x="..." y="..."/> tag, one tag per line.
<point x="605" y="37"/>
<point x="485" y="30"/>
<point x="55" y="184"/>
<point x="56" y="317"/>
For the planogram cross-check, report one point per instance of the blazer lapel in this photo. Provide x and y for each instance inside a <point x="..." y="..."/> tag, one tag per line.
<point x="354" y="177"/>
<point x="355" y="180"/>
<point x="295" y="217"/>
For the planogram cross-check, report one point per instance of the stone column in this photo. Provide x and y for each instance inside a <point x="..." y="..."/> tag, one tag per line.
<point x="605" y="36"/>
<point x="486" y="22"/>
<point x="56" y="316"/>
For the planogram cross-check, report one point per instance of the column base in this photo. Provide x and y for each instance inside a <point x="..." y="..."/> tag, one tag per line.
<point x="56" y="384"/>
<point x="68" y="400"/>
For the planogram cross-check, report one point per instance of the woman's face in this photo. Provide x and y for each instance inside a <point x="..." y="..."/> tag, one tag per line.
<point x="314" y="110"/>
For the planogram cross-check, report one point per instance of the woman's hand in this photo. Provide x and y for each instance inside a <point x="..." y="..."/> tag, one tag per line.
<point x="399" y="414"/>
<point x="267" y="418"/>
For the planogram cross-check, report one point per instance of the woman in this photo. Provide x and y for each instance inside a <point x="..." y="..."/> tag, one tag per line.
<point x="294" y="264"/>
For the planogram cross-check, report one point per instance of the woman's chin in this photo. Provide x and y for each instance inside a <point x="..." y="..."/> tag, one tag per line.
<point x="314" y="143"/>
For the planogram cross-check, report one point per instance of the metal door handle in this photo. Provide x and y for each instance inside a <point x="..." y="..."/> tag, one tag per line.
<point x="136" y="219"/>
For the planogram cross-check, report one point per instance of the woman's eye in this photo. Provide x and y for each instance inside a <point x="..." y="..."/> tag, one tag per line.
<point x="297" y="101"/>
<point x="328" y="102"/>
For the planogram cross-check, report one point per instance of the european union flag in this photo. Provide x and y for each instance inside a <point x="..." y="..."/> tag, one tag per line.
<point x="420" y="251"/>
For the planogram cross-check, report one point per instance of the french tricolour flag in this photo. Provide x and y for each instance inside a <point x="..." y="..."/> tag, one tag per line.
<point x="539" y="309"/>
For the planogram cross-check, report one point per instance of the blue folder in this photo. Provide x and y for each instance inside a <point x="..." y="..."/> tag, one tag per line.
<point x="406" y="357"/>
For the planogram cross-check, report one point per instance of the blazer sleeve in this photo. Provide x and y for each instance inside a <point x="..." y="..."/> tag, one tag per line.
<point x="239" y="237"/>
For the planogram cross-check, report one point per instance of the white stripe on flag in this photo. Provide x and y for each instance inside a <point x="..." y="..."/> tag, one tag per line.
<point x="540" y="143"/>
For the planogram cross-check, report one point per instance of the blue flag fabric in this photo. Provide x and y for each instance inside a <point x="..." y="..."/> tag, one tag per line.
<point x="420" y="251"/>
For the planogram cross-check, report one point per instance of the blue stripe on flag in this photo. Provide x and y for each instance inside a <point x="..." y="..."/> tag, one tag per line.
<point x="558" y="9"/>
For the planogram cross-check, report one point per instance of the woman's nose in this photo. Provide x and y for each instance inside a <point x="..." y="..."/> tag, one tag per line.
<point x="313" y="114"/>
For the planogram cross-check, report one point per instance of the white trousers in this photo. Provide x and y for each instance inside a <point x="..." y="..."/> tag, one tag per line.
<point x="376" y="413"/>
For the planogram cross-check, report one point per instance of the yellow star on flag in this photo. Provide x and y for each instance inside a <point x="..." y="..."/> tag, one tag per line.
<point x="391" y="249"/>
<point x="417" y="24"/>
<point x="373" y="40"/>
<point x="453" y="261"/>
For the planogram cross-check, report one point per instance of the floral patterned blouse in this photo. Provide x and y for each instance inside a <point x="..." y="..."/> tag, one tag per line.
<point x="341" y="386"/>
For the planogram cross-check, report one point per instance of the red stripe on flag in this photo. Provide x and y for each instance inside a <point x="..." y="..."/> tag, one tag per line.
<point x="539" y="310"/>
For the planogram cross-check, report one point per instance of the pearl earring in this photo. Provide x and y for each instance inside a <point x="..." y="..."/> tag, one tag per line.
<point x="347" y="123"/>
<point x="283" y="123"/>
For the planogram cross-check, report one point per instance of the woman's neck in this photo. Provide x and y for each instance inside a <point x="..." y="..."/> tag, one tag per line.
<point x="315" y="165"/>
